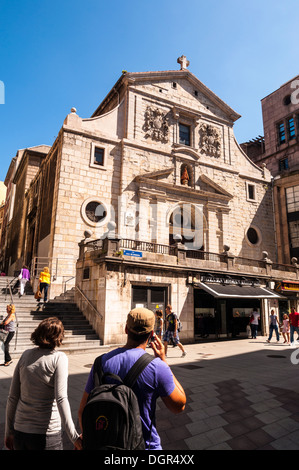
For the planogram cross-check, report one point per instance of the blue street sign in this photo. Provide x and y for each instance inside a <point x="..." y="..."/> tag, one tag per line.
<point x="137" y="254"/>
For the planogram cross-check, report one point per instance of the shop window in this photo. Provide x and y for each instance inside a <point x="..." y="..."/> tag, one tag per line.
<point x="149" y="297"/>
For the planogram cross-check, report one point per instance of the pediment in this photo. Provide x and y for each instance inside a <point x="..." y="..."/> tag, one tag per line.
<point x="154" y="184"/>
<point x="206" y="102"/>
<point x="158" y="174"/>
<point x="207" y="184"/>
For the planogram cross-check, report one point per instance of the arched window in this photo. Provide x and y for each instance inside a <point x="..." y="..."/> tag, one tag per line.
<point x="187" y="221"/>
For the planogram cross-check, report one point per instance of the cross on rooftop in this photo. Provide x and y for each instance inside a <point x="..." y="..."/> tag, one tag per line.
<point x="183" y="61"/>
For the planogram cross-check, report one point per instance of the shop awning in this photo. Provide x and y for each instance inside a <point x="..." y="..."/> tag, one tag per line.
<point x="236" y="291"/>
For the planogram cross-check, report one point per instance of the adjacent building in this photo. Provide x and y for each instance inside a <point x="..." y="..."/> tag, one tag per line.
<point x="278" y="151"/>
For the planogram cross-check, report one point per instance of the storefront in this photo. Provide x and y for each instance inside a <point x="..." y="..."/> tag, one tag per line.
<point x="223" y="305"/>
<point x="290" y="292"/>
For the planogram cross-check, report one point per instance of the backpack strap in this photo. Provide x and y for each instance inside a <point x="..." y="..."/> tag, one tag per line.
<point x="137" y="368"/>
<point x="98" y="374"/>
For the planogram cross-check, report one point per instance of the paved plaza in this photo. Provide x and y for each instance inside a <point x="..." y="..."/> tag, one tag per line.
<point x="242" y="394"/>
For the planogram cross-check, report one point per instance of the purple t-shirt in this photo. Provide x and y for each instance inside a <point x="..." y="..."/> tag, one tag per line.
<point x="155" y="381"/>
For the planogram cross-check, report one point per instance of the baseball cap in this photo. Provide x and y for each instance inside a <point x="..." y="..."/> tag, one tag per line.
<point x="140" y="321"/>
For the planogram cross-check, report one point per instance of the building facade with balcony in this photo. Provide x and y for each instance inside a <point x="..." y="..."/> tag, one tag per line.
<point x="278" y="151"/>
<point x="172" y="208"/>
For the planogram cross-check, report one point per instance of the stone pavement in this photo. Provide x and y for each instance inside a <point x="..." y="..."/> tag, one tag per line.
<point x="242" y="394"/>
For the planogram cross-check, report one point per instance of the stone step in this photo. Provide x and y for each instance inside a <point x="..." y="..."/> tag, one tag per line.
<point x="77" y="349"/>
<point x="79" y="337"/>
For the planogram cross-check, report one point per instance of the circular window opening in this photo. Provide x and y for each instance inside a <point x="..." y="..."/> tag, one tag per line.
<point x="252" y="236"/>
<point x="287" y="100"/>
<point x="95" y="211"/>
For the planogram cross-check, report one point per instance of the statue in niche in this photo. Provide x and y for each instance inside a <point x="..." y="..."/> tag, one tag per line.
<point x="210" y="141"/>
<point x="156" y="124"/>
<point x="185" y="177"/>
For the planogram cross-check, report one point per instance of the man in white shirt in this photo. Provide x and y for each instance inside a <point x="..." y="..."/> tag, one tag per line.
<point x="254" y="321"/>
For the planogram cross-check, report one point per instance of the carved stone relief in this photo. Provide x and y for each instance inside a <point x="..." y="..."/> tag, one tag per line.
<point x="210" y="140"/>
<point x="156" y="124"/>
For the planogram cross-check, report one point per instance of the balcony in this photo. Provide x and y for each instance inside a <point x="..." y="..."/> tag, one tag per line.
<point x="176" y="257"/>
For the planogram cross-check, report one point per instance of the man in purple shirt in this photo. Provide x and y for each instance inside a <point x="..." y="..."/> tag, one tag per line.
<point x="155" y="381"/>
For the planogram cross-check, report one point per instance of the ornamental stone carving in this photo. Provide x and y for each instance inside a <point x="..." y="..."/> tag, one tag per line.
<point x="156" y="124"/>
<point x="210" y="140"/>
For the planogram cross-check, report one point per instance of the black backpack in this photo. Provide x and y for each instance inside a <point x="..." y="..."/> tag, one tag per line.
<point x="111" y="417"/>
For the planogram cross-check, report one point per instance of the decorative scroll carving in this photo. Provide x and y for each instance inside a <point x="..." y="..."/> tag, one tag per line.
<point x="210" y="140"/>
<point x="156" y="124"/>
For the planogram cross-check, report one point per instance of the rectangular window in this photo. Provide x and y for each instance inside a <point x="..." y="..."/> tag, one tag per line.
<point x="85" y="273"/>
<point x="184" y="134"/>
<point x="291" y="129"/>
<point x="292" y="196"/>
<point x="284" y="164"/>
<point x="294" y="233"/>
<point x="99" y="156"/>
<point x="281" y="133"/>
<point x="251" y="191"/>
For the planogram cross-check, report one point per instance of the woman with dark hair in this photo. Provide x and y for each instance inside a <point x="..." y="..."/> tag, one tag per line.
<point x="38" y="401"/>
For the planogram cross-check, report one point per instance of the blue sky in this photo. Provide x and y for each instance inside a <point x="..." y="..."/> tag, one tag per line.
<point x="58" y="54"/>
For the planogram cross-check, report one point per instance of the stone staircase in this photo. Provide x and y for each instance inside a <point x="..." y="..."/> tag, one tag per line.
<point x="79" y="334"/>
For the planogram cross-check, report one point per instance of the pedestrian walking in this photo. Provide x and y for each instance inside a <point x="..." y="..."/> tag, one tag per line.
<point x="285" y="326"/>
<point x="254" y="321"/>
<point x="171" y="332"/>
<point x="156" y="380"/>
<point x="294" y="324"/>
<point x="159" y="323"/>
<point x="24" y="277"/>
<point x="44" y="282"/>
<point x="273" y="326"/>
<point x="38" y="402"/>
<point x="9" y="325"/>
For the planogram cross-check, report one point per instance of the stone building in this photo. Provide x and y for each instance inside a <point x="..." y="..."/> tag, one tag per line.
<point x="279" y="152"/>
<point x="172" y="209"/>
<point x="14" y="248"/>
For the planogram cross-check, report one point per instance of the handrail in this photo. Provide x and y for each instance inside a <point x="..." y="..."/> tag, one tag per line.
<point x="90" y="303"/>
<point x="9" y="288"/>
<point x="64" y="282"/>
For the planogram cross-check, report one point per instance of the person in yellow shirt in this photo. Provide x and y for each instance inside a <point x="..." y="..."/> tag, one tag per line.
<point x="44" y="282"/>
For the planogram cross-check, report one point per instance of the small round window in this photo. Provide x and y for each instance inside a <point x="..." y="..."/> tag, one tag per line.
<point x="252" y="236"/>
<point x="93" y="212"/>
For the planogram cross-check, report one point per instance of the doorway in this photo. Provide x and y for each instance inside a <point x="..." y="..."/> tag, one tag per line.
<point x="151" y="297"/>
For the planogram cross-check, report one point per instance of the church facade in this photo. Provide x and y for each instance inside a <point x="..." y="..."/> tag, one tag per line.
<point x="172" y="209"/>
